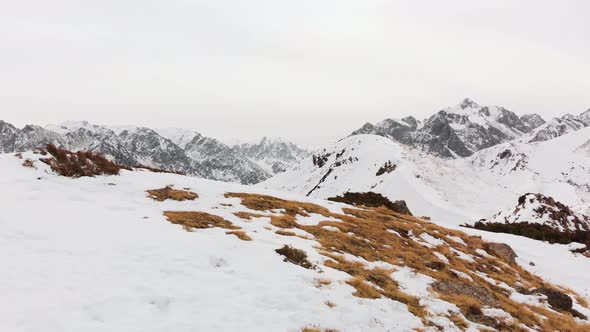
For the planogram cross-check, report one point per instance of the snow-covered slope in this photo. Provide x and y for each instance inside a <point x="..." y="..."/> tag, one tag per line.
<point x="96" y="254"/>
<point x="431" y="187"/>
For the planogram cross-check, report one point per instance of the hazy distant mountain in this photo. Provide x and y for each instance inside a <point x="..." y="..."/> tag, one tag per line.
<point x="274" y="155"/>
<point x="456" y="131"/>
<point x="560" y="126"/>
<point x="197" y="155"/>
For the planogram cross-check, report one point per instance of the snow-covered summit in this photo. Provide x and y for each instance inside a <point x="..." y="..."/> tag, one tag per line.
<point x="456" y="131"/>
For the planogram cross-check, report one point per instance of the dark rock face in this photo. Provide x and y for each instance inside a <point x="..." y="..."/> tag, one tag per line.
<point x="456" y="131"/>
<point x="557" y="299"/>
<point x="204" y="157"/>
<point x="501" y="250"/>
<point x="372" y="199"/>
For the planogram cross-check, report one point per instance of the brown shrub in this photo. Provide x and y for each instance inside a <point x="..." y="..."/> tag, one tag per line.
<point x="79" y="164"/>
<point x="29" y="163"/>
<point x="241" y="235"/>
<point x="167" y="192"/>
<point x="295" y="256"/>
<point x="195" y="219"/>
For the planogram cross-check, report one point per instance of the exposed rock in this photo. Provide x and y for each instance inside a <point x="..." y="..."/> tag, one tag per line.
<point x="458" y="287"/>
<point x="501" y="250"/>
<point x="372" y="199"/>
<point x="557" y="299"/>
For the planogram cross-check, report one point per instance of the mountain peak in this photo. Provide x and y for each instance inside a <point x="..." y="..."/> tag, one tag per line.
<point x="468" y="103"/>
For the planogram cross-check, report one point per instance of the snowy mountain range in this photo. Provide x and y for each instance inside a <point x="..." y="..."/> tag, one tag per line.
<point x="183" y="151"/>
<point x="461" y="130"/>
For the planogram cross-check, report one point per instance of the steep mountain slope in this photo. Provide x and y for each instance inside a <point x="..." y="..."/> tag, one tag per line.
<point x="99" y="254"/>
<point x="274" y="155"/>
<point x="456" y="131"/>
<point x="186" y="151"/>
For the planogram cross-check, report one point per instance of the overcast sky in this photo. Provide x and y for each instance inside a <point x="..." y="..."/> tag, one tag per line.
<point x="307" y="70"/>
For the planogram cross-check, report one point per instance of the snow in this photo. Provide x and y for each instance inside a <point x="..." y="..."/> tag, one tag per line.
<point x="411" y="282"/>
<point x="94" y="254"/>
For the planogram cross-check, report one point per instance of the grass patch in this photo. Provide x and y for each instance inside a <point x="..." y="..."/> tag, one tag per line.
<point x="241" y="235"/>
<point x="168" y="192"/>
<point x="195" y="219"/>
<point x="295" y="256"/>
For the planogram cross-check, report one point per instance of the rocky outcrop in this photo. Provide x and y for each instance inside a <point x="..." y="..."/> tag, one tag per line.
<point x="501" y="250"/>
<point x="372" y="199"/>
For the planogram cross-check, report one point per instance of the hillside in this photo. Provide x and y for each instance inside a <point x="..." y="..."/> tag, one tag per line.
<point x="155" y="251"/>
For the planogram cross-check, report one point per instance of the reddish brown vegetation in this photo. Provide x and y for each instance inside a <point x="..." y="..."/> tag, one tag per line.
<point x="79" y="164"/>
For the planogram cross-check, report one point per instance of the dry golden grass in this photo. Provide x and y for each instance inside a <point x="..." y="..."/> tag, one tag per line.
<point x="195" y="219"/>
<point x="247" y="215"/>
<point x="168" y="192"/>
<point x="315" y="329"/>
<point x="364" y="233"/>
<point x="363" y="290"/>
<point x="320" y="282"/>
<point x="285" y="233"/>
<point x="241" y="235"/>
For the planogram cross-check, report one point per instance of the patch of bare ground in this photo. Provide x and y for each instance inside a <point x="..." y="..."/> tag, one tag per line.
<point x="79" y="164"/>
<point x="380" y="235"/>
<point x="168" y="192"/>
